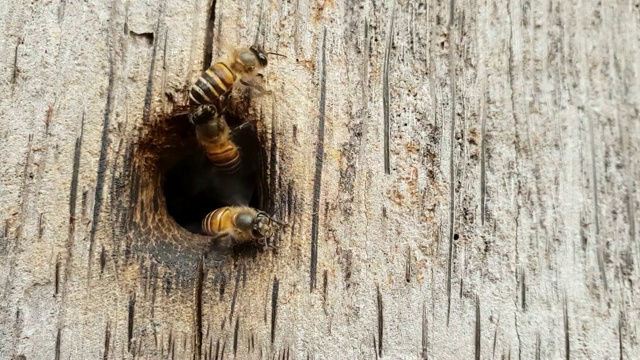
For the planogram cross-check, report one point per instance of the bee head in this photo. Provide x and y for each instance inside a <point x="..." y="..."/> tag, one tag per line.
<point x="264" y="226"/>
<point x="260" y="55"/>
<point x="251" y="59"/>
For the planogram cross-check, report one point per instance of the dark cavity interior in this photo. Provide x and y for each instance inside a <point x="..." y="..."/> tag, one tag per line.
<point x="193" y="187"/>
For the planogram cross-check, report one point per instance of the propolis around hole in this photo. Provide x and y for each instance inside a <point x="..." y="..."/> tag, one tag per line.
<point x="192" y="187"/>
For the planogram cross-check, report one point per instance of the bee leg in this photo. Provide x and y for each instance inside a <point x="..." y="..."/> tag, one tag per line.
<point x="269" y="245"/>
<point x="274" y="247"/>
<point x="262" y="244"/>
<point x="202" y="114"/>
<point x="256" y="83"/>
<point x="223" y="102"/>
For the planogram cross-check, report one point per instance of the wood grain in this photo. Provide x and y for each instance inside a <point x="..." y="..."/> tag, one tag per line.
<point x="460" y="179"/>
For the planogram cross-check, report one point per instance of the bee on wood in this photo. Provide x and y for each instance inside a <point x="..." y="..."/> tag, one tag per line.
<point x="221" y="175"/>
<point x="214" y="135"/>
<point x="243" y="65"/>
<point x="240" y="223"/>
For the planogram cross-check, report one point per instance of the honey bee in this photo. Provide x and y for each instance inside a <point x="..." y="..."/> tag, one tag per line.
<point x="219" y="78"/>
<point x="213" y="134"/>
<point x="240" y="223"/>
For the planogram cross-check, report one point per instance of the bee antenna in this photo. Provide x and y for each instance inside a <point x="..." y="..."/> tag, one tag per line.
<point x="244" y="125"/>
<point x="283" y="224"/>
<point x="272" y="53"/>
<point x="255" y="40"/>
<point x="272" y="218"/>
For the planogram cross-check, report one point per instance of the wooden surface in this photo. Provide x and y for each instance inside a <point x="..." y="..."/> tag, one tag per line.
<point x="461" y="180"/>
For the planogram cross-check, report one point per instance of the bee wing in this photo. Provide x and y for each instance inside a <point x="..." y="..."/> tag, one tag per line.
<point x="220" y="236"/>
<point x="221" y="243"/>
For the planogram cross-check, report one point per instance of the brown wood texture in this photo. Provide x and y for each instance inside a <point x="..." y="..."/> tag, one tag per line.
<point x="460" y="177"/>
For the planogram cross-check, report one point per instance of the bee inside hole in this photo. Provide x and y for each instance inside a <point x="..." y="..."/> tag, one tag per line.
<point x="194" y="187"/>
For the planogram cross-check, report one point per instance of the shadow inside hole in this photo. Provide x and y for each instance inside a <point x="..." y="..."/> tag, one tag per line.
<point x="193" y="187"/>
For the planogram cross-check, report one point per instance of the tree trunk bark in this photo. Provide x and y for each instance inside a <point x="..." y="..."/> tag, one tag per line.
<point x="460" y="179"/>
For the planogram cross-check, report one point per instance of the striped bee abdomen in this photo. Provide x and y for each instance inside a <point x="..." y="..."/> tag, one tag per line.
<point x="225" y="156"/>
<point x="212" y="83"/>
<point x="214" y="137"/>
<point x="217" y="221"/>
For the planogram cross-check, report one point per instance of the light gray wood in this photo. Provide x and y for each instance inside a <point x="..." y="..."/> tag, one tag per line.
<point x="505" y="225"/>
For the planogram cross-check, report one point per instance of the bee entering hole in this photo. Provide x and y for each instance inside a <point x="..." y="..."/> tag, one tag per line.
<point x="201" y="172"/>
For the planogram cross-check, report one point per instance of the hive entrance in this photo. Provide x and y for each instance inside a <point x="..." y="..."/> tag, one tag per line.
<point x="192" y="187"/>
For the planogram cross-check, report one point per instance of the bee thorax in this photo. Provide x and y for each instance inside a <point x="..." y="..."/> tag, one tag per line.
<point x="244" y="220"/>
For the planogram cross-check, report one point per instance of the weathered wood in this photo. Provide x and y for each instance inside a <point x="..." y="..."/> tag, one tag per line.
<point x="460" y="179"/>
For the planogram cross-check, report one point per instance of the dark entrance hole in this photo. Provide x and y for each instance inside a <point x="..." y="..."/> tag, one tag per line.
<point x="192" y="187"/>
